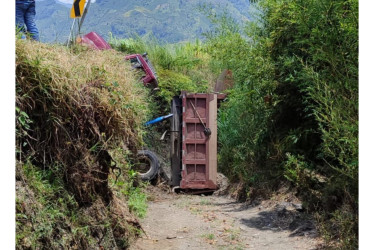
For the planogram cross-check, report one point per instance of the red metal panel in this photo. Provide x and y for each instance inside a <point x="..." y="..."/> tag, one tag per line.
<point x="150" y="73"/>
<point x="195" y="147"/>
<point x="95" y="41"/>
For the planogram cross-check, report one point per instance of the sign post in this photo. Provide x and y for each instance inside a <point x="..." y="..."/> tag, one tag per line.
<point x="78" y="11"/>
<point x="84" y="15"/>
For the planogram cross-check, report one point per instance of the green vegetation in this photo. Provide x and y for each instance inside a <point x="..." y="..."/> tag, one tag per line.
<point x="179" y="67"/>
<point x="208" y="236"/>
<point x="47" y="216"/>
<point x="137" y="199"/>
<point x="79" y="118"/>
<point x="233" y="234"/>
<point x="296" y="94"/>
<point x="138" y="202"/>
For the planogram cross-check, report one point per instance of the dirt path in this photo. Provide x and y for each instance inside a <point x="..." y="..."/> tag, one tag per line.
<point x="180" y="221"/>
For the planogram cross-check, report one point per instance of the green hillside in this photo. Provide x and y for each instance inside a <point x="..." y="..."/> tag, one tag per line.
<point x="170" y="21"/>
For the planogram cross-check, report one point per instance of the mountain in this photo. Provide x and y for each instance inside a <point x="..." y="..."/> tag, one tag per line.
<point x="168" y="20"/>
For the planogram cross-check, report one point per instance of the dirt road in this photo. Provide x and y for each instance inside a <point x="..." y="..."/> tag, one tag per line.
<point x="180" y="221"/>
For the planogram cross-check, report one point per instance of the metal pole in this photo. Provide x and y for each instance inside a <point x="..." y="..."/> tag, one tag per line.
<point x="84" y="15"/>
<point x="71" y="32"/>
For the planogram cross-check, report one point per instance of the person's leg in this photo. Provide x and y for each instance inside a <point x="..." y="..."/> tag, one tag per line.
<point x="30" y="22"/>
<point x="20" y="17"/>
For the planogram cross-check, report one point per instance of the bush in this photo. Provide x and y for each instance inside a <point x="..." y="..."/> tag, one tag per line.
<point x="296" y="97"/>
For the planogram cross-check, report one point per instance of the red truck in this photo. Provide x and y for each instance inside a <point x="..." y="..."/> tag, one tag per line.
<point x="193" y="144"/>
<point x="142" y="62"/>
<point x="95" y="41"/>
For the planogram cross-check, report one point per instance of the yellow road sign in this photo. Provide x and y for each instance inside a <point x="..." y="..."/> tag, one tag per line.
<point x="77" y="9"/>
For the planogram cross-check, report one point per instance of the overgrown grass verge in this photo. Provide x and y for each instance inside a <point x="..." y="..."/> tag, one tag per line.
<point x="79" y="118"/>
<point x="179" y="66"/>
<point x="133" y="189"/>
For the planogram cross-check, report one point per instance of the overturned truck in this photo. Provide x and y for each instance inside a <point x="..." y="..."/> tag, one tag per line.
<point x="193" y="135"/>
<point x="193" y="143"/>
<point x="193" y="148"/>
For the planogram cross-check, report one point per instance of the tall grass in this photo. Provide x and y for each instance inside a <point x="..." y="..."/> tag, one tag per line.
<point x="296" y="97"/>
<point x="183" y="66"/>
<point x="80" y="115"/>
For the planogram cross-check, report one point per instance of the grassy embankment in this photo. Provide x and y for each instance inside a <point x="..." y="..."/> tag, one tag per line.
<point x="79" y="120"/>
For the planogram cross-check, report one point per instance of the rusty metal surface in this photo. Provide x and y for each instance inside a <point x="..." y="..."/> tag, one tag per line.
<point x="198" y="169"/>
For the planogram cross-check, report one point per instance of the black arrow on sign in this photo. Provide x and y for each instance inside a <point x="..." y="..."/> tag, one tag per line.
<point x="76" y="8"/>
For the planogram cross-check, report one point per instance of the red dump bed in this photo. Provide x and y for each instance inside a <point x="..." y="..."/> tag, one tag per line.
<point x="199" y="151"/>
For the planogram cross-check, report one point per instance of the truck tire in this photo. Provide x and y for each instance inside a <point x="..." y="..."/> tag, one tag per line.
<point x="147" y="165"/>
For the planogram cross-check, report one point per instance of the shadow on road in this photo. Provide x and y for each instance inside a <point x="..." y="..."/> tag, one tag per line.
<point x="282" y="219"/>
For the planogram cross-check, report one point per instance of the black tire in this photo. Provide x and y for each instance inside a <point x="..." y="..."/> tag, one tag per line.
<point x="147" y="165"/>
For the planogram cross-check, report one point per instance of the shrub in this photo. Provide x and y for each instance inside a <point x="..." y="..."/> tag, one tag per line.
<point x="296" y="97"/>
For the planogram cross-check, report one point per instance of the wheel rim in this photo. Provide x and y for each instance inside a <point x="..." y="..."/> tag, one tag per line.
<point x="143" y="165"/>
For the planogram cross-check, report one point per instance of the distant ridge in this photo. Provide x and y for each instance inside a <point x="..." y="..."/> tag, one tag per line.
<point x="168" y="20"/>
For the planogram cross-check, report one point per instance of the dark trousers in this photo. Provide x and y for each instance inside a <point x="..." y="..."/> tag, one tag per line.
<point x="25" y="15"/>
